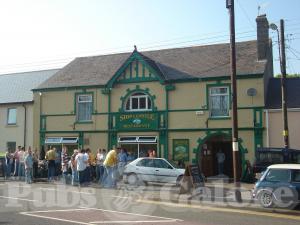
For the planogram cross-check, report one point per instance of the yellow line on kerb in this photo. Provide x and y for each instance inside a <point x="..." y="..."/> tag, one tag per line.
<point x="248" y="212"/>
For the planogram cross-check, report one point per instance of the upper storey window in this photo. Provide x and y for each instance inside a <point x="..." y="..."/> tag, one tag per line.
<point x="219" y="101"/>
<point x="84" y="107"/>
<point x="138" y="102"/>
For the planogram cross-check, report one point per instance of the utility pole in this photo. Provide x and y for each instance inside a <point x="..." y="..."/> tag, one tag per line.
<point x="283" y="88"/>
<point x="235" y="146"/>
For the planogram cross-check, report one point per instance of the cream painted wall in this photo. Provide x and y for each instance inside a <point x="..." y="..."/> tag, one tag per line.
<point x="276" y="127"/>
<point x="15" y="133"/>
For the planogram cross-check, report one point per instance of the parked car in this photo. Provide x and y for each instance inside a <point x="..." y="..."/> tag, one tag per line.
<point x="279" y="186"/>
<point x="265" y="157"/>
<point x="152" y="170"/>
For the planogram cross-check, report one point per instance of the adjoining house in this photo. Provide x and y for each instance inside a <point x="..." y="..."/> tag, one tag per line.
<point x="274" y="116"/>
<point x="175" y="101"/>
<point x="16" y="107"/>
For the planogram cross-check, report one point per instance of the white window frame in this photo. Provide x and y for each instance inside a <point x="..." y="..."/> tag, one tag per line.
<point x="138" y="97"/>
<point x="8" y="116"/>
<point x="78" y="102"/>
<point x="222" y="94"/>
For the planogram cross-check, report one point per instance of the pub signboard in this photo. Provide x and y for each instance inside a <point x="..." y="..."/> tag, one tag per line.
<point x="137" y="121"/>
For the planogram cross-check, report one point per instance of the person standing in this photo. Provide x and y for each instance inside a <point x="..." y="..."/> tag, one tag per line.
<point x="74" y="168"/>
<point x="21" y="170"/>
<point x="81" y="162"/>
<point x="122" y="161"/>
<point x="28" y="165"/>
<point x="9" y="159"/>
<point x="64" y="163"/>
<point x="110" y="164"/>
<point x="16" y="161"/>
<point x="50" y="157"/>
<point x="101" y="155"/>
<point x="220" y="160"/>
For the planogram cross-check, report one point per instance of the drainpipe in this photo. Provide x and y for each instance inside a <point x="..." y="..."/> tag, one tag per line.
<point x="25" y="124"/>
<point x="267" y="125"/>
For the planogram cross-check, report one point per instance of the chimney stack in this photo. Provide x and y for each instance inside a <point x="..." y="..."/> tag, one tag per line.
<point x="262" y="36"/>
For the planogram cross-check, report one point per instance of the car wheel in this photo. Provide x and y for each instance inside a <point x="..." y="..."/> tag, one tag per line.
<point x="132" y="179"/>
<point x="266" y="199"/>
<point x="178" y="181"/>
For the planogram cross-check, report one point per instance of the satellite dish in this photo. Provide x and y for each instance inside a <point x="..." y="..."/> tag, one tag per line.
<point x="251" y="92"/>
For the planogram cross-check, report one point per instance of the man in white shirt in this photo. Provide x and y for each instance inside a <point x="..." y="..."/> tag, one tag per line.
<point x="81" y="162"/>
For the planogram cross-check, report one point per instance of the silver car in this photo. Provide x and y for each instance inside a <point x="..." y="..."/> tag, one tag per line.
<point x="152" y="170"/>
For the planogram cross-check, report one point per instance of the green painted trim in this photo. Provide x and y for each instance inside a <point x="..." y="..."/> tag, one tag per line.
<point x="218" y="84"/>
<point x="161" y="111"/>
<point x="166" y="147"/>
<point x="109" y="121"/>
<point x="251" y="107"/>
<point x="137" y="80"/>
<point x="130" y="92"/>
<point x="134" y="56"/>
<point x="213" y="129"/>
<point x="72" y="131"/>
<point x="228" y="135"/>
<point x="170" y="87"/>
<point x="63" y="114"/>
<point x="136" y="68"/>
<point x="68" y="88"/>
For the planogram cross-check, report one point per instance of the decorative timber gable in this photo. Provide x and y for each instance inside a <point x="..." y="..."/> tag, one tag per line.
<point x="137" y="68"/>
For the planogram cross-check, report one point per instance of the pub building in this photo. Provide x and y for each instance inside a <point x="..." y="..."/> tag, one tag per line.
<point x="174" y="101"/>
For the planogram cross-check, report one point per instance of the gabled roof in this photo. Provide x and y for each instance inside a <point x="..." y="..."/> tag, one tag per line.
<point x="171" y="64"/>
<point x="16" y="87"/>
<point x="273" y="100"/>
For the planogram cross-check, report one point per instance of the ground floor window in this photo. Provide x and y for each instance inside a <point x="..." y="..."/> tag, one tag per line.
<point x="138" y="146"/>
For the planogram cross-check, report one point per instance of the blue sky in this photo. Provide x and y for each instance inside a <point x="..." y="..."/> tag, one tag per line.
<point x="40" y="34"/>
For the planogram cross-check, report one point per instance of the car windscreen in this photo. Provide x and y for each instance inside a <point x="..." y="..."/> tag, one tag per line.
<point x="173" y="164"/>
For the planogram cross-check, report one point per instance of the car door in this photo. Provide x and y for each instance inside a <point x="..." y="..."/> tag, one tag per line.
<point x="296" y="182"/>
<point x="145" y="170"/>
<point x="279" y="181"/>
<point x="164" y="171"/>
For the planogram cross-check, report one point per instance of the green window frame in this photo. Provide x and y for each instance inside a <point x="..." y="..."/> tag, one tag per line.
<point x="219" y="101"/>
<point x="84" y="107"/>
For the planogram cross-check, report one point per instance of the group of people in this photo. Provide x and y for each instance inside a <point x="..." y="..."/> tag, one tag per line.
<point x="83" y="167"/>
<point x="20" y="164"/>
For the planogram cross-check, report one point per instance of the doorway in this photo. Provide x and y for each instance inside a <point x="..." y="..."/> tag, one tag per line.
<point x="208" y="157"/>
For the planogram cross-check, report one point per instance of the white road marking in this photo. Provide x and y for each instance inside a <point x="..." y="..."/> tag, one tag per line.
<point x="22" y="199"/>
<point x="132" y="221"/>
<point x="116" y="196"/>
<point x="159" y="219"/>
<point x="134" y="214"/>
<point x="54" y="218"/>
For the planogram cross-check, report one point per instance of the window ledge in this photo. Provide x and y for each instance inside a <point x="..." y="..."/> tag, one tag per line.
<point x="11" y="125"/>
<point x="83" y="122"/>
<point x="220" y="118"/>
